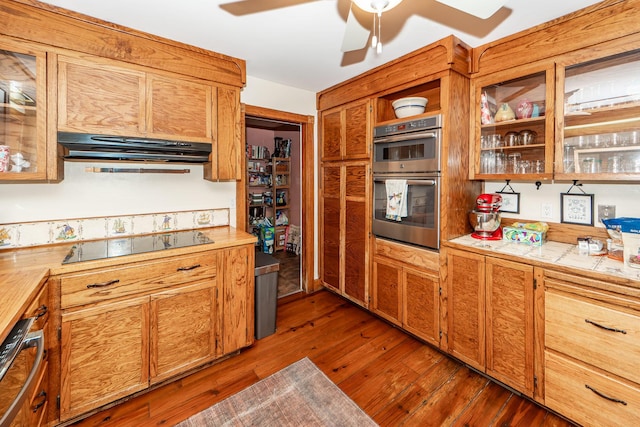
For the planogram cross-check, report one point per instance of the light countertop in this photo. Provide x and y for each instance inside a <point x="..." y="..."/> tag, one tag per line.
<point x="554" y="254"/>
<point x="24" y="271"/>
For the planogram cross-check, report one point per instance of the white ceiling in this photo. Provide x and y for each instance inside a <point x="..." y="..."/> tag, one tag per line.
<point x="299" y="44"/>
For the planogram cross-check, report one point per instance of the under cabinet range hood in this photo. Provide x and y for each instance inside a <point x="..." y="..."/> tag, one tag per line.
<point x="93" y="147"/>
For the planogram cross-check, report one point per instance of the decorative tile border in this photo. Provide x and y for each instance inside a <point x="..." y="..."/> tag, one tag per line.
<point x="18" y="235"/>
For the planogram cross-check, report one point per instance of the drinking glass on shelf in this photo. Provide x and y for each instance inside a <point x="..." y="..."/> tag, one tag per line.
<point x="539" y="166"/>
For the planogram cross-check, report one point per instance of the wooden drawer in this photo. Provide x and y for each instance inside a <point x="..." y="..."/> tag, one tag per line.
<point x="39" y="308"/>
<point x="588" y="397"/>
<point x="576" y="327"/>
<point x="108" y="283"/>
<point x="416" y="257"/>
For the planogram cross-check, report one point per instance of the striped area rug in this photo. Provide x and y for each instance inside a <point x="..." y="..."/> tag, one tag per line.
<point x="300" y="395"/>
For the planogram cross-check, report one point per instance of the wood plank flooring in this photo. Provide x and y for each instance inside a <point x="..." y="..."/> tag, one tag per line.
<point x="393" y="377"/>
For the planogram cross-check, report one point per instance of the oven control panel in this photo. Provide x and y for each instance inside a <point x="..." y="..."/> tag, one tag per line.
<point x="431" y="122"/>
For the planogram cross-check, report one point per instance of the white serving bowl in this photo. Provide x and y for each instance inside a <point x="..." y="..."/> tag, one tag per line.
<point x="405" y="107"/>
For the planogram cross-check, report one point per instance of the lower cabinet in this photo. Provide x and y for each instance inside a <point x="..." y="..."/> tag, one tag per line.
<point x="345" y="224"/>
<point x="406" y="288"/>
<point x="592" y="343"/>
<point x="490" y="317"/>
<point x="125" y="329"/>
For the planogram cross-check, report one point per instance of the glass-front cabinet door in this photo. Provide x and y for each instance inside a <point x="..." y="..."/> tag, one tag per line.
<point x="513" y="117"/>
<point x="22" y="113"/>
<point x="599" y="132"/>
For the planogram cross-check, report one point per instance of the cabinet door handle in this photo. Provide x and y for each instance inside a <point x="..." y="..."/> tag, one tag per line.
<point x="604" y="396"/>
<point x="188" y="268"/>
<point x="103" y="284"/>
<point x="43" y="395"/>
<point x="41" y="311"/>
<point x="606" y="328"/>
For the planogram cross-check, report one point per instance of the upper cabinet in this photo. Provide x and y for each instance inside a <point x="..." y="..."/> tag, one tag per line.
<point x="97" y="95"/>
<point x="599" y="124"/>
<point x="23" y="95"/>
<point x="346" y="132"/>
<point x="512" y="124"/>
<point x="102" y="96"/>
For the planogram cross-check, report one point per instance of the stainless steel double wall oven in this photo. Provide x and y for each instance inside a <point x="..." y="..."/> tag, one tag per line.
<point x="408" y="154"/>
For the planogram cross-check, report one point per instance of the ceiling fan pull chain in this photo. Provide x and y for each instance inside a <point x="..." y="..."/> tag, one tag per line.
<point x="379" y="46"/>
<point x="374" y="38"/>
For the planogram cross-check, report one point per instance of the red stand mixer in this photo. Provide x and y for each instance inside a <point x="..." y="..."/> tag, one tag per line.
<point x="485" y="219"/>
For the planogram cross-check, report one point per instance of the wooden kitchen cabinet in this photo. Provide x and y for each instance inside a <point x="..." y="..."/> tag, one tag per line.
<point x="405" y="288"/>
<point x="183" y="325"/>
<point x="128" y="327"/>
<point x="105" y="354"/>
<point x="97" y="95"/>
<point x="592" y="342"/>
<point x="228" y="146"/>
<point x="504" y="148"/>
<point x="179" y="107"/>
<point x="23" y="112"/>
<point x="345" y="203"/>
<point x="345" y="219"/>
<point x="100" y="96"/>
<point x="598" y="136"/>
<point x="237" y="302"/>
<point x="490" y="317"/>
<point x="346" y="132"/>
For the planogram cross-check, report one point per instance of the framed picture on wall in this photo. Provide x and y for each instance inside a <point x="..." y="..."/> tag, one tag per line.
<point x="510" y="202"/>
<point x="576" y="208"/>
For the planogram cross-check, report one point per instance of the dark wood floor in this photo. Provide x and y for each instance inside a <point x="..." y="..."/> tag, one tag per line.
<point x="396" y="379"/>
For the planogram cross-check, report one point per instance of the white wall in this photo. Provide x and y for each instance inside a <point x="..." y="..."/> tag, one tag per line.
<point x="626" y="198"/>
<point x="85" y="194"/>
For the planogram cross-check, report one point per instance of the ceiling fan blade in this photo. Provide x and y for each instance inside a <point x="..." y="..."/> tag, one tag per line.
<point x="246" y="7"/>
<point x="481" y="9"/>
<point x="356" y="36"/>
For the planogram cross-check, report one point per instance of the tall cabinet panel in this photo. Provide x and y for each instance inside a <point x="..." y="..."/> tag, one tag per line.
<point x="23" y="95"/>
<point x="345" y="199"/>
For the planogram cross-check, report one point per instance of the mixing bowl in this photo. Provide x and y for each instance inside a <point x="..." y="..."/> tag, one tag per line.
<point x="484" y="223"/>
<point x="405" y="107"/>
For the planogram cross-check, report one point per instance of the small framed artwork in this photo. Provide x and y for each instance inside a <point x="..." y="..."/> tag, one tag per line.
<point x="510" y="202"/>
<point x="576" y="208"/>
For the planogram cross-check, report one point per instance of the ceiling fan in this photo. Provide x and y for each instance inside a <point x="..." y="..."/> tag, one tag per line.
<point x="356" y="35"/>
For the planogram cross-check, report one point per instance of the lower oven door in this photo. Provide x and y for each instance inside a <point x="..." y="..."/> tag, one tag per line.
<point x="420" y="225"/>
<point x="20" y="363"/>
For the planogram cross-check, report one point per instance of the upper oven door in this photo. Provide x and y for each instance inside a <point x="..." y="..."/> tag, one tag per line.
<point x="420" y="225"/>
<point x="407" y="153"/>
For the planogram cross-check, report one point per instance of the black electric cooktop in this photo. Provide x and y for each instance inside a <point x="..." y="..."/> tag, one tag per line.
<point x="111" y="248"/>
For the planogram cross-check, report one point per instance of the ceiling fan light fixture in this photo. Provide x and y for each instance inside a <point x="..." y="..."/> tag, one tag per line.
<point x="376" y="6"/>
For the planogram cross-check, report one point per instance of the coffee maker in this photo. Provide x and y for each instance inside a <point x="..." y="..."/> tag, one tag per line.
<point x="485" y="218"/>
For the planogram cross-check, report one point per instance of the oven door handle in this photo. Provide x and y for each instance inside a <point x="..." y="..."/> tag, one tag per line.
<point x="33" y="339"/>
<point x="404" y="137"/>
<point x="429" y="182"/>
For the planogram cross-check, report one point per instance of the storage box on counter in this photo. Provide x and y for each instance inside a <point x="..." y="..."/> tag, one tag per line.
<point x="524" y="235"/>
<point x="629" y="229"/>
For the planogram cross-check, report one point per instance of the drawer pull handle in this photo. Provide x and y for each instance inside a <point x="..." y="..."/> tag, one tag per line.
<point x="622" y="331"/>
<point x="104" y="284"/>
<point x="604" y="396"/>
<point x="43" y="395"/>
<point x="193" y="267"/>
<point x="41" y="311"/>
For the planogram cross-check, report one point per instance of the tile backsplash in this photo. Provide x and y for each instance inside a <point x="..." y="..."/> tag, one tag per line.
<point x="17" y="235"/>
